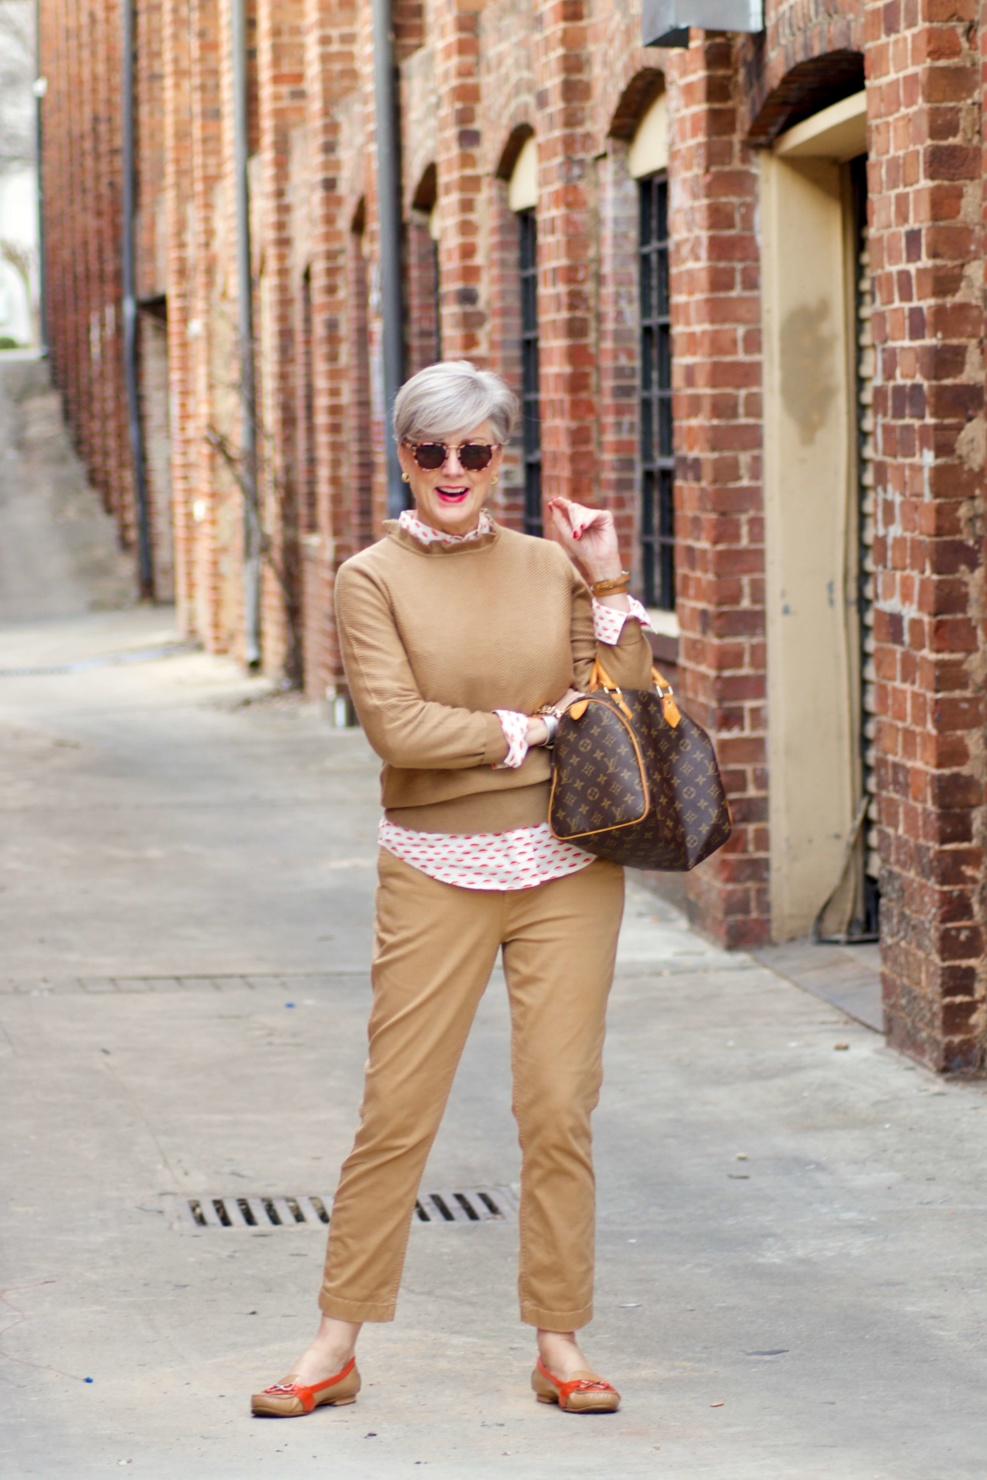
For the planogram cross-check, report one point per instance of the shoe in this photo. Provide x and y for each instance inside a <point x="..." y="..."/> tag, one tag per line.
<point x="584" y="1393"/>
<point x="291" y="1399"/>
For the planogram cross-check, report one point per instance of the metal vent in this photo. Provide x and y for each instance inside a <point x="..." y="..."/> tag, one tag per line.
<point x="466" y="1205"/>
<point x="667" y="22"/>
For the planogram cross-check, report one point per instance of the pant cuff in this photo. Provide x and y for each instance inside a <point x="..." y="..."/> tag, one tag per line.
<point x="356" y="1310"/>
<point x="555" y="1320"/>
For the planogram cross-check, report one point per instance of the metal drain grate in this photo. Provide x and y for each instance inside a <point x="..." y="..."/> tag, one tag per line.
<point x="476" y="1205"/>
<point x="466" y="1205"/>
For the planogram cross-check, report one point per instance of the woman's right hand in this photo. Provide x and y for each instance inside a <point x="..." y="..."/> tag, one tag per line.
<point x="537" y="728"/>
<point x="569" y="697"/>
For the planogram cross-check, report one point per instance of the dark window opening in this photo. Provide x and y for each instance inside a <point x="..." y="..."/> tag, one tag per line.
<point x="530" y="412"/>
<point x="307" y="463"/>
<point x="361" y="465"/>
<point x="657" y="439"/>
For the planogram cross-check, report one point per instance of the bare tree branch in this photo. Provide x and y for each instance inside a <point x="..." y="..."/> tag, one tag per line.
<point x="17" y="68"/>
<point x="278" y="562"/>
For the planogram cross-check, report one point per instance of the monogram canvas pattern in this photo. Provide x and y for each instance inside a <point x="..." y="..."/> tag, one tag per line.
<point x="637" y="792"/>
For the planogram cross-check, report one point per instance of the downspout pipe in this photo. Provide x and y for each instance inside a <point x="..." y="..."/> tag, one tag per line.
<point x="245" y="333"/>
<point x="389" y="218"/>
<point x="40" y="89"/>
<point x="145" y="559"/>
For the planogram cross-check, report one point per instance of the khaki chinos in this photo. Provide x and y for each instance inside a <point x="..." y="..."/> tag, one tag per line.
<point x="435" y="948"/>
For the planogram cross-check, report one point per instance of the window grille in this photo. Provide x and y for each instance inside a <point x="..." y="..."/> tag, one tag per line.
<point x="530" y="413"/>
<point x="657" y="441"/>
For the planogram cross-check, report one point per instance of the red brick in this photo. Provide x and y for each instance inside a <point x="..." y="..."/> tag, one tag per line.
<point x="473" y="80"/>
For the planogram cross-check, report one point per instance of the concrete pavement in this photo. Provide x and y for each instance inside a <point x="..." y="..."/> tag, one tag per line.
<point x="791" y="1218"/>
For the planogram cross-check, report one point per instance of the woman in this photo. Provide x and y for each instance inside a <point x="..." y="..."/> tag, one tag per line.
<point x="462" y="642"/>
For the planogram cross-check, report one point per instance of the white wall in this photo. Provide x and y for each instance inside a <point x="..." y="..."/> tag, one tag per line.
<point x="19" y="226"/>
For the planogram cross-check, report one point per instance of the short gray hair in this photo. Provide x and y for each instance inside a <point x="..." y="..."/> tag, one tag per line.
<point x="451" y="398"/>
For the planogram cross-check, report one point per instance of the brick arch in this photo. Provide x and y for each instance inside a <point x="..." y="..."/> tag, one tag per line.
<point x="426" y="192"/>
<point x="637" y="96"/>
<point x="781" y="69"/>
<point x="803" y="91"/>
<point x="516" y="140"/>
<point x="408" y="21"/>
<point x="626" y="79"/>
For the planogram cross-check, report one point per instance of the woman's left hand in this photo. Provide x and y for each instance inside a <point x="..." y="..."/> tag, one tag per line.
<point x="588" y="537"/>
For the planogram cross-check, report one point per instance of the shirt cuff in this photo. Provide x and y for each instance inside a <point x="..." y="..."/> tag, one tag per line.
<point x="608" y="622"/>
<point x="515" y="728"/>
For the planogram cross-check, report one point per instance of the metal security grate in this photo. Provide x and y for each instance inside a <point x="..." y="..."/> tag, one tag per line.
<point x="530" y="412"/>
<point x="657" y="529"/>
<point x="466" y="1205"/>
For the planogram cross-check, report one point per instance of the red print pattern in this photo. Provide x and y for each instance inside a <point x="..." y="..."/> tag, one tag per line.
<point x="426" y="535"/>
<point x="510" y="860"/>
<point x="515" y="728"/>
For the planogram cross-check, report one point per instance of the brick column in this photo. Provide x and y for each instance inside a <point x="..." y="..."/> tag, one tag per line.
<point x="208" y="25"/>
<point x="457" y="48"/>
<point x="566" y="238"/>
<point x="716" y="315"/>
<point x="281" y="108"/>
<point x="105" y="151"/>
<point x="330" y="74"/>
<point x="926" y="246"/>
<point x="178" y="194"/>
<point x="619" y="345"/>
<point x="91" y="388"/>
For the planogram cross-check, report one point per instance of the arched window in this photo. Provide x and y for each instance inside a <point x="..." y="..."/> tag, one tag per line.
<point x="424" y="316"/>
<point x="648" y="164"/>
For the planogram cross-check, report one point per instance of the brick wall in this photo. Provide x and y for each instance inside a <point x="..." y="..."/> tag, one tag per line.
<point x="82" y="183"/>
<point x="281" y="111"/>
<point x="476" y="80"/>
<point x="566" y="252"/>
<point x="716" y="323"/>
<point x="926" y="173"/>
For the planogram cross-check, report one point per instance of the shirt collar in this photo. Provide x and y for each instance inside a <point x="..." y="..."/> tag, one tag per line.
<point x="409" y="521"/>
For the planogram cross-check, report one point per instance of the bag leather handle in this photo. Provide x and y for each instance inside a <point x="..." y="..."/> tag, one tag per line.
<point x="600" y="679"/>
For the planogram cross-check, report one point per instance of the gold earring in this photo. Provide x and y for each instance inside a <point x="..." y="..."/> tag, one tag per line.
<point x="405" y="478"/>
<point x="495" y="479"/>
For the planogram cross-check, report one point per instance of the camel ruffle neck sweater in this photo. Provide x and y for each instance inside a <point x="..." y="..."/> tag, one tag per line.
<point x="435" y="638"/>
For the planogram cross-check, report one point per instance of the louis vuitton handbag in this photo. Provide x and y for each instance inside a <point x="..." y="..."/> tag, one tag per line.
<point x="635" y="780"/>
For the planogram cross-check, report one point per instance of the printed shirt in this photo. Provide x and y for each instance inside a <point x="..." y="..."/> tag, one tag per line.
<point x="526" y="856"/>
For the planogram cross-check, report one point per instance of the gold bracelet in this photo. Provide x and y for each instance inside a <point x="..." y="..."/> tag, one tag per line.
<point x="613" y="586"/>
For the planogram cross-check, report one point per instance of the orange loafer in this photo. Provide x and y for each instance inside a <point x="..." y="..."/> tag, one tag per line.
<point x="584" y="1393"/>
<point x="289" y="1399"/>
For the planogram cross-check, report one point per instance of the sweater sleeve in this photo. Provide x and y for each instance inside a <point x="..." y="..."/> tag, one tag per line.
<point x="628" y="661"/>
<point x="404" y="729"/>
